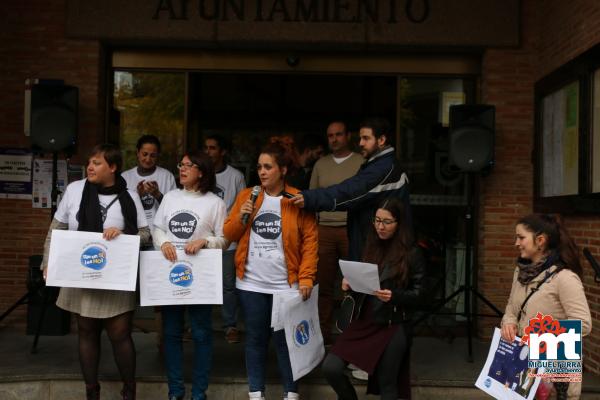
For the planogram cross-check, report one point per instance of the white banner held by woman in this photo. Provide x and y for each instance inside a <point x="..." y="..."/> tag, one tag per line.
<point x="192" y="279"/>
<point x="85" y="260"/>
<point x="303" y="333"/>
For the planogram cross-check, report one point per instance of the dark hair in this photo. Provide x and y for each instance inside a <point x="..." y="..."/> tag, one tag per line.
<point x="223" y="142"/>
<point x="396" y="249"/>
<point x="111" y="153"/>
<point x="282" y="155"/>
<point x="310" y="141"/>
<point x="557" y="237"/>
<point x="208" y="180"/>
<point x="380" y="127"/>
<point x="150" y="139"/>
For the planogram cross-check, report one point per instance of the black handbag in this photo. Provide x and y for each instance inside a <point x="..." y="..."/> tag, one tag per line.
<point x="347" y="313"/>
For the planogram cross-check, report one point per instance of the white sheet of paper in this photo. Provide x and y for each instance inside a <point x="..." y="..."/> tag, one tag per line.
<point x="192" y="279"/>
<point x="493" y="379"/>
<point x="362" y="277"/>
<point x="276" y="310"/>
<point x="85" y="260"/>
<point x="303" y="333"/>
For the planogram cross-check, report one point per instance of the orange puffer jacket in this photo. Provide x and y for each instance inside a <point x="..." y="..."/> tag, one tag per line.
<point x="299" y="235"/>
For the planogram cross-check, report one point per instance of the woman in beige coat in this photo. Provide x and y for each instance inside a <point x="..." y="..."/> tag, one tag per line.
<point x="546" y="252"/>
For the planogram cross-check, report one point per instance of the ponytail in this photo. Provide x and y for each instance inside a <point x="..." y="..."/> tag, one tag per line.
<point x="558" y="238"/>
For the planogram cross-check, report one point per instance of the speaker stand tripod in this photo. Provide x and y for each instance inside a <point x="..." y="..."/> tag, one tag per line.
<point x="467" y="287"/>
<point x="53" y="205"/>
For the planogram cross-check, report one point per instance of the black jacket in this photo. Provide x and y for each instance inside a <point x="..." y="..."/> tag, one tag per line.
<point x="404" y="299"/>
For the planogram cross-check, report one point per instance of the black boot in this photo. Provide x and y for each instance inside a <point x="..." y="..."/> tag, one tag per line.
<point x="92" y="392"/>
<point x="128" y="391"/>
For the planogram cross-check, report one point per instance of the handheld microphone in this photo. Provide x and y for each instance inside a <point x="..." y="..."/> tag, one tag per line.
<point x="253" y="197"/>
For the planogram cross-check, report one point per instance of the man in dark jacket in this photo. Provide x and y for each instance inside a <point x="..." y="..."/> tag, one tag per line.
<point x="378" y="178"/>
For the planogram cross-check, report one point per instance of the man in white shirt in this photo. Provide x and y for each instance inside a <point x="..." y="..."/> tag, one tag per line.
<point x="149" y="180"/>
<point x="230" y="182"/>
<point x="341" y="164"/>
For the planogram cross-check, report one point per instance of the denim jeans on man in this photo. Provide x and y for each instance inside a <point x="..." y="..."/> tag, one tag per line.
<point x="257" y="319"/>
<point x="230" y="305"/>
<point x="201" y="324"/>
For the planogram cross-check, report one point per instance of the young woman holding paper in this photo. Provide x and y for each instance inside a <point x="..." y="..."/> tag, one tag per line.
<point x="378" y="341"/>
<point x="547" y="280"/>
<point x="101" y="203"/>
<point x="277" y="250"/>
<point x="188" y="220"/>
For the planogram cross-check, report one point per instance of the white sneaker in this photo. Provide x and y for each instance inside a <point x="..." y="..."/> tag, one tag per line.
<point x="256" y="396"/>
<point x="352" y="367"/>
<point x="292" y="396"/>
<point x="360" y="375"/>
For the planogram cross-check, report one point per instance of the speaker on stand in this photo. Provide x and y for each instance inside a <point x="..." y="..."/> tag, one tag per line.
<point x="471" y="150"/>
<point x="53" y="127"/>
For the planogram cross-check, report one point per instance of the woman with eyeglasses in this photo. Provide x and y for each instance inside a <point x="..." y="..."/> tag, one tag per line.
<point x="378" y="340"/>
<point x="188" y="220"/>
<point x="101" y="203"/>
<point x="277" y="251"/>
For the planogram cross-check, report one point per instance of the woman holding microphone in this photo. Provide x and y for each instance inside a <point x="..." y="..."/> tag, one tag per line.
<point x="188" y="220"/>
<point x="101" y="203"/>
<point x="277" y="250"/>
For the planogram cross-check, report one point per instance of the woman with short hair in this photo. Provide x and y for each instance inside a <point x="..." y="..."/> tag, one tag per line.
<point x="189" y="219"/>
<point x="101" y="203"/>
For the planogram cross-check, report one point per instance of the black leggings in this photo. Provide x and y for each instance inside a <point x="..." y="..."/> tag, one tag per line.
<point x="118" y="329"/>
<point x="386" y="371"/>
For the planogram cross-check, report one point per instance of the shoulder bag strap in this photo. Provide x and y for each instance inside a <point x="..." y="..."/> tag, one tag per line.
<point x="535" y="289"/>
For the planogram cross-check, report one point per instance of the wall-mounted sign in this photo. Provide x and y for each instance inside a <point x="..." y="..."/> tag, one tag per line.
<point x="298" y="23"/>
<point x="15" y="173"/>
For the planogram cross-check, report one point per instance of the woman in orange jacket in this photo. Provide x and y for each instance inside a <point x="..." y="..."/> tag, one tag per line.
<point x="277" y="251"/>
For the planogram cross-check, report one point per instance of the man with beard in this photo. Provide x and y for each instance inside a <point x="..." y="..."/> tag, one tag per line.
<point x="147" y="178"/>
<point x="379" y="177"/>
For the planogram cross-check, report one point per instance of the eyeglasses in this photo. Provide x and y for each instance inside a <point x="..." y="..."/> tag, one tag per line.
<point x="186" y="165"/>
<point x="385" y="222"/>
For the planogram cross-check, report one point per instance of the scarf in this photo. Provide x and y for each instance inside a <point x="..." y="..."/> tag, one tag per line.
<point x="528" y="270"/>
<point x="89" y="215"/>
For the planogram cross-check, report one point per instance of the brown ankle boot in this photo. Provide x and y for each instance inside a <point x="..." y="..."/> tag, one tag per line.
<point x="128" y="391"/>
<point x="92" y="392"/>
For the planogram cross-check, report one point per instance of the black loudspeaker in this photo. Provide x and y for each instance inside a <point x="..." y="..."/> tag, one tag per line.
<point x="54" y="116"/>
<point x="472" y="131"/>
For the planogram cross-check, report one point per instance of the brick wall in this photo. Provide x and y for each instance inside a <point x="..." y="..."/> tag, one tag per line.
<point x="33" y="45"/>
<point x="553" y="32"/>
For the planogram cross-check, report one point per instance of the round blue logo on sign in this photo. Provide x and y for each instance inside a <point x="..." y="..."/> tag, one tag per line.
<point x="487" y="383"/>
<point x="181" y="275"/>
<point x="93" y="257"/>
<point x="302" y="333"/>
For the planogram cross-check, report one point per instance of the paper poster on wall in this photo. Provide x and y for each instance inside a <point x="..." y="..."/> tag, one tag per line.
<point x="15" y="174"/>
<point x="42" y="181"/>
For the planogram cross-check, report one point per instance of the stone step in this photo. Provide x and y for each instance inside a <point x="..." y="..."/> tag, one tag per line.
<point x="73" y="390"/>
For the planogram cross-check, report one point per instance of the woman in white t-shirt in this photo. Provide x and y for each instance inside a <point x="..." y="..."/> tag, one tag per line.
<point x="188" y="220"/>
<point x="277" y="251"/>
<point x="101" y="203"/>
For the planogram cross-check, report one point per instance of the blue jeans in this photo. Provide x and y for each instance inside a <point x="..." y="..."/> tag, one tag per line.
<point x="257" y="319"/>
<point x="201" y="323"/>
<point x="230" y="302"/>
